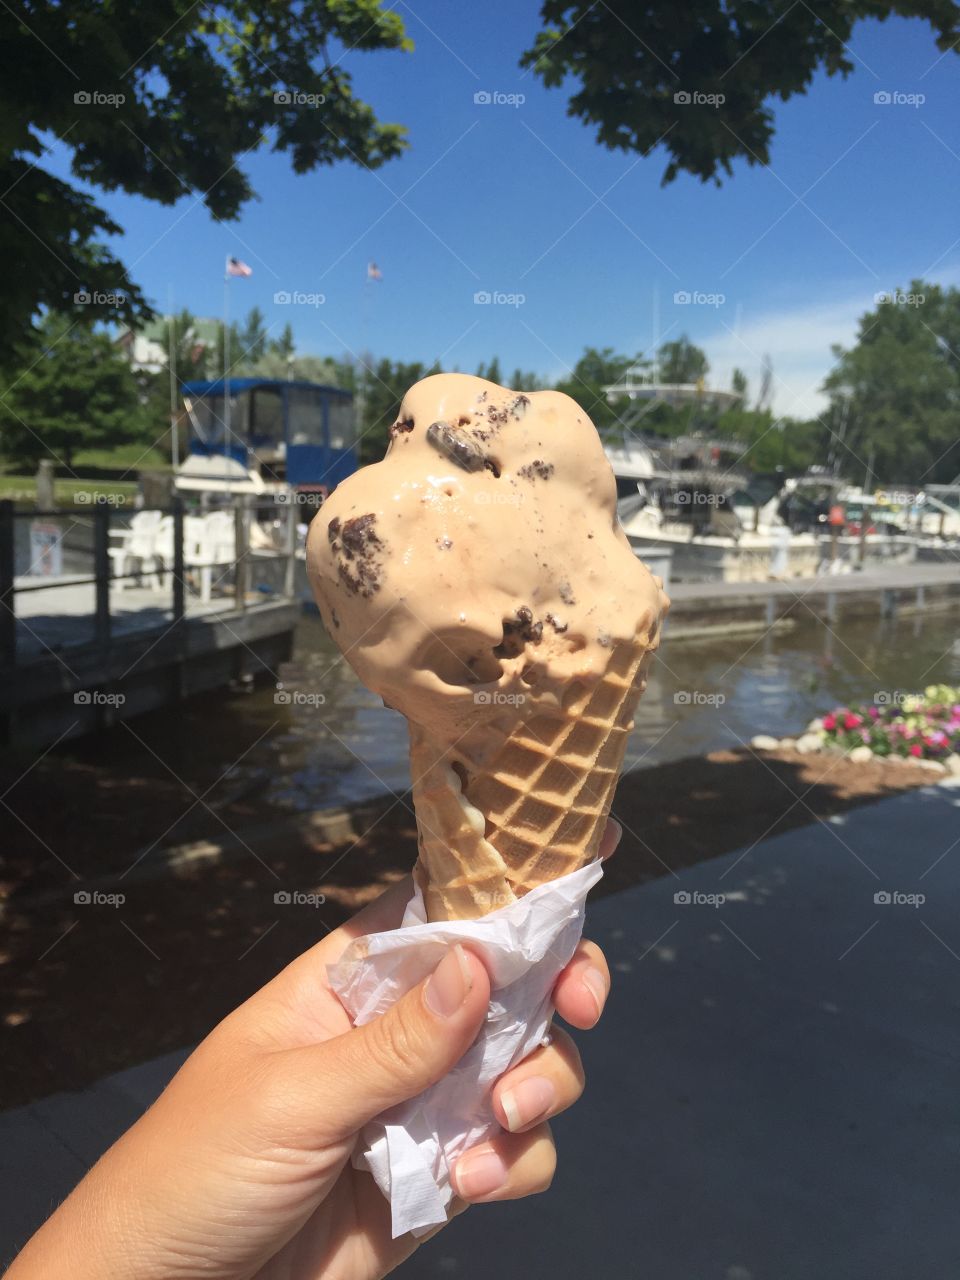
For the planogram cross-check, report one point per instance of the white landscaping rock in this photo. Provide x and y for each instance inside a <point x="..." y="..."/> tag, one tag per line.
<point x="808" y="742"/>
<point x="764" y="742"/>
<point x="815" y="726"/>
<point x="952" y="765"/>
<point x="933" y="765"/>
<point x="787" y="744"/>
<point x="860" y="755"/>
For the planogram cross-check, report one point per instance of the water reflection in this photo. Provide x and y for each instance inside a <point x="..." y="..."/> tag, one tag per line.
<point x="289" y="749"/>
<point x="702" y="695"/>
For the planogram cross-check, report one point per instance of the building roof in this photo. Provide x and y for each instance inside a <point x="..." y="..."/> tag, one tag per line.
<point x="215" y="388"/>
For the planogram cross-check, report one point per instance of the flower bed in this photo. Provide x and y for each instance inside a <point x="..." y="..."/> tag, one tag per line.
<point x="922" y="726"/>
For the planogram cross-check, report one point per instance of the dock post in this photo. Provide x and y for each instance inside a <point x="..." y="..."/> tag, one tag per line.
<point x="178" y="560"/>
<point x="290" y="568"/>
<point x="240" y="568"/>
<point x="8" y="620"/>
<point x="101" y="572"/>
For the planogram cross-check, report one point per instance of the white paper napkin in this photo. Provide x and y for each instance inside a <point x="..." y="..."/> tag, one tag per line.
<point x="410" y="1149"/>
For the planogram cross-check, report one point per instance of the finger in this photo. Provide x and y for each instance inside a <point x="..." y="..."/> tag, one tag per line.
<point x="610" y="839"/>
<point x="508" y="1167"/>
<point x="582" y="988"/>
<point x="547" y="1082"/>
<point x="383" y="913"/>
<point x="338" y="1085"/>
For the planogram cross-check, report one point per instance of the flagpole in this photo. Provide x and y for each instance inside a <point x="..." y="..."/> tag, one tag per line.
<point x="172" y="363"/>
<point x="361" y="409"/>
<point x="226" y="354"/>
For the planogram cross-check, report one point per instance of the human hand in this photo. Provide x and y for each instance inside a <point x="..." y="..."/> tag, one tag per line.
<point x="242" y="1166"/>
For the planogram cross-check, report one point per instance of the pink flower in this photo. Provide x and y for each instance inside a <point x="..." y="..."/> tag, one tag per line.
<point x="916" y="749"/>
<point x="851" y="721"/>
<point x="830" y="722"/>
<point x="874" y="713"/>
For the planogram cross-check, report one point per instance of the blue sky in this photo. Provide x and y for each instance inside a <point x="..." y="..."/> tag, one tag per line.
<point x="520" y="200"/>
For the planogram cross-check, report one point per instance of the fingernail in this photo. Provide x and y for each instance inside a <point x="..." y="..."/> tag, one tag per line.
<point x="617" y="831"/>
<point x="449" y="984"/>
<point x="527" y="1101"/>
<point x="479" y="1172"/>
<point x="595" y="983"/>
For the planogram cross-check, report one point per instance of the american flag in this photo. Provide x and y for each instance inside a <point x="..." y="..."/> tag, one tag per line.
<point x="237" y="268"/>
<point x="374" y="272"/>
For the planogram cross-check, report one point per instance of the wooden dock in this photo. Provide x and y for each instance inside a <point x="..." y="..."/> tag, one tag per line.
<point x="700" y="608"/>
<point x="80" y="651"/>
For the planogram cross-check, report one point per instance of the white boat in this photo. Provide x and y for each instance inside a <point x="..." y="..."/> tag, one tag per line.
<point x="693" y="515"/>
<point x="717" y="532"/>
<point x="940" y="512"/>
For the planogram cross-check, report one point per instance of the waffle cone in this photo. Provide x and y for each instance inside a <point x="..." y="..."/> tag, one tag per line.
<point x="538" y="809"/>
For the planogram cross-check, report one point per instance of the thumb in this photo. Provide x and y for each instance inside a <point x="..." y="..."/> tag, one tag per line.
<point x="337" y="1086"/>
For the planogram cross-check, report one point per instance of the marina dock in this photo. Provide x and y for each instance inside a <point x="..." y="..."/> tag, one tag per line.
<point x="89" y="635"/>
<point x="699" y="608"/>
<point x="80" y="650"/>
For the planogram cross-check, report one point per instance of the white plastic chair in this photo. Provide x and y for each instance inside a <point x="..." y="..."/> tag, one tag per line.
<point x="136" y="553"/>
<point x="216" y="544"/>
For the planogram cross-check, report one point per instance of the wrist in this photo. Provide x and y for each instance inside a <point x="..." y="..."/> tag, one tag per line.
<point x="93" y="1235"/>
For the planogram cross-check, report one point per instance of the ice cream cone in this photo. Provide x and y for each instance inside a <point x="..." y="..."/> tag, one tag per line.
<point x="537" y="810"/>
<point x="478" y="580"/>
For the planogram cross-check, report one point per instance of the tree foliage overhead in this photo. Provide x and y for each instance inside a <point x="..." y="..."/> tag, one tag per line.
<point x="639" y="67"/>
<point x="895" y="395"/>
<point x="164" y="99"/>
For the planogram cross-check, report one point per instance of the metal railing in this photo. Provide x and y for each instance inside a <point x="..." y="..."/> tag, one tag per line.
<point x="244" y="507"/>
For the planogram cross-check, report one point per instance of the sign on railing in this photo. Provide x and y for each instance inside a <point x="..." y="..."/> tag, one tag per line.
<point x="46" y="549"/>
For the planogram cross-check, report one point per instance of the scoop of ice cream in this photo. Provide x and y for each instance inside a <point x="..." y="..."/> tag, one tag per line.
<point x="478" y="573"/>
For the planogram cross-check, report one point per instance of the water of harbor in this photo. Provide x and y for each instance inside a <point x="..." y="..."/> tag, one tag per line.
<point x="300" y="753"/>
